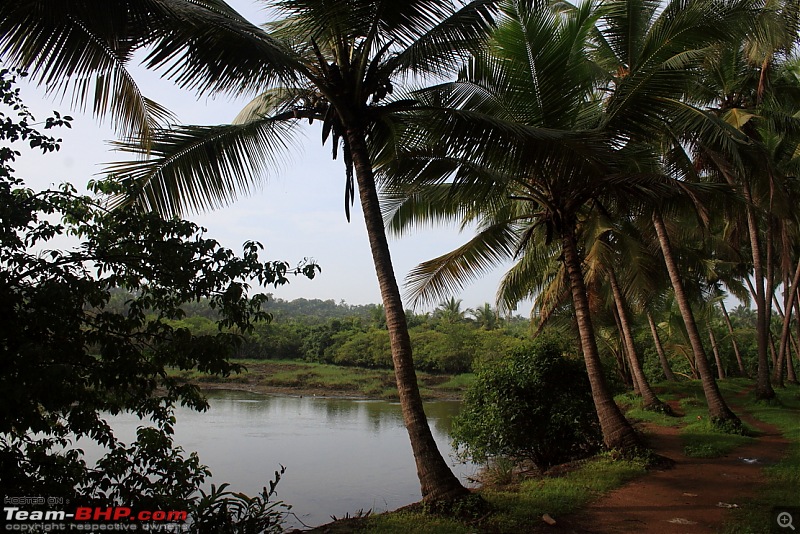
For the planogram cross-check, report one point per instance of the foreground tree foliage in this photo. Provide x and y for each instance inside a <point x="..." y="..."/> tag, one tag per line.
<point x="69" y="361"/>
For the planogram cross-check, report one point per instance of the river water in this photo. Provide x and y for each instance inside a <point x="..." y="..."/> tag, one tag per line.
<point x="341" y="455"/>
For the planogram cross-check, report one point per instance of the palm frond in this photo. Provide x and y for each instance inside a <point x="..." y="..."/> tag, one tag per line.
<point x="436" y="41"/>
<point x="195" y="168"/>
<point x="429" y="205"/>
<point x="207" y="46"/>
<point x="73" y="48"/>
<point x="436" y="279"/>
<point x="272" y="102"/>
<point x="536" y="274"/>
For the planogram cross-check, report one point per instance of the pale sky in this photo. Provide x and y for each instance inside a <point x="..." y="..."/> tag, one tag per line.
<point x="298" y="212"/>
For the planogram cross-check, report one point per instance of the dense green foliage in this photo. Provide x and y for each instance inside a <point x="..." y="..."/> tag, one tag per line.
<point x="69" y="361"/>
<point x="533" y="405"/>
<point x="357" y="336"/>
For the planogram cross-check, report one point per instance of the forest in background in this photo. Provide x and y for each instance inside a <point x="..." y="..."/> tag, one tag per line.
<point x="455" y="339"/>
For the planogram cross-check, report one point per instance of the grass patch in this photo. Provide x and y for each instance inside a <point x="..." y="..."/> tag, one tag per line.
<point x="317" y="378"/>
<point x="400" y="523"/>
<point x="521" y="506"/>
<point x="783" y="478"/>
<point x="656" y="418"/>
<point x="517" y="510"/>
<point x="701" y="438"/>
<point x="458" y="383"/>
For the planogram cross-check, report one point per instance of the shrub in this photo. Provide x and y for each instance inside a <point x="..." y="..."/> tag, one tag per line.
<point x="533" y="405"/>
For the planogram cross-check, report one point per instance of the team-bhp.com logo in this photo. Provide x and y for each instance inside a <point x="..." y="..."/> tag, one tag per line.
<point x="94" y="518"/>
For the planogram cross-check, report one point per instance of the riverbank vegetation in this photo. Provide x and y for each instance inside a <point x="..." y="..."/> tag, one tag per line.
<point x="520" y="500"/>
<point x="352" y="340"/>
<point x="292" y="377"/>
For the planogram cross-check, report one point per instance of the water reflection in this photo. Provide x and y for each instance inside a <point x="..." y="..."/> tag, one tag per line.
<point x="341" y="455"/>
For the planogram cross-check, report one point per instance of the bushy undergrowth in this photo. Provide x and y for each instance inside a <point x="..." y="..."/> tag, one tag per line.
<point x="533" y="405"/>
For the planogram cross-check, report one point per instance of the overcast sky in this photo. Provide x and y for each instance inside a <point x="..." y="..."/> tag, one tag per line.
<point x="297" y="213"/>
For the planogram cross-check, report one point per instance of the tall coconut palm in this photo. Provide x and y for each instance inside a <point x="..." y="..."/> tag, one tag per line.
<point x="662" y="356"/>
<point x="324" y="60"/>
<point x="535" y="79"/>
<point x="449" y="311"/>
<point x="536" y="56"/>
<point x="649" y="398"/>
<point x="486" y="316"/>
<point x="732" y="334"/>
<point x="690" y="290"/>
<point x="745" y="85"/>
<point x="717" y="407"/>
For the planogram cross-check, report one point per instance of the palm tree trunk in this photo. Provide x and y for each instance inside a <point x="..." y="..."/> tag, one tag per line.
<point x="739" y="360"/>
<point x="662" y="356"/>
<point x="624" y="356"/>
<point x="649" y="398"/>
<point x="715" y="349"/>
<point x="777" y="376"/>
<point x="791" y="374"/>
<point x="617" y="431"/>
<point x="436" y="479"/>
<point x="717" y="407"/>
<point x="774" y="353"/>
<point x="763" y="387"/>
<point x="770" y="281"/>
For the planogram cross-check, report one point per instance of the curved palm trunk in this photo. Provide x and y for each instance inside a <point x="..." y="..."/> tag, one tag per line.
<point x="715" y="349"/>
<point x="783" y="351"/>
<point x="790" y="370"/>
<point x="662" y="356"/>
<point x="791" y="375"/>
<point x="649" y="398"/>
<point x="739" y="360"/>
<point x="763" y="387"/>
<point x="717" y="407"/>
<point x="623" y="357"/>
<point x="436" y="479"/>
<point x="617" y="431"/>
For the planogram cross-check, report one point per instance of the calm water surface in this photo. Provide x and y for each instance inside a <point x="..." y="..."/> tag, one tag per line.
<point x="341" y="455"/>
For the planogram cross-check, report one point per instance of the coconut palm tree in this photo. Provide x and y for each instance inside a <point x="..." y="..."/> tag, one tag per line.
<point x="747" y="86"/>
<point x="449" y="311"/>
<point x="535" y="78"/>
<point x="486" y="316"/>
<point x="649" y="398"/>
<point x="662" y="356"/>
<point x="328" y="61"/>
<point x="717" y="407"/>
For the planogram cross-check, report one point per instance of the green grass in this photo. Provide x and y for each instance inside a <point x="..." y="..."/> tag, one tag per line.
<point x="400" y="523"/>
<point x="701" y="439"/>
<point x="516" y="509"/>
<point x="458" y="382"/>
<point x="261" y="375"/>
<point x="783" y="478"/>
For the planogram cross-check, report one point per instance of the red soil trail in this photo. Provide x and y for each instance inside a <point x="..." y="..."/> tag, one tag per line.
<point x="693" y="497"/>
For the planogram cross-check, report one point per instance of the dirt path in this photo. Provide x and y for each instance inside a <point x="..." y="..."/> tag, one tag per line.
<point x="693" y="497"/>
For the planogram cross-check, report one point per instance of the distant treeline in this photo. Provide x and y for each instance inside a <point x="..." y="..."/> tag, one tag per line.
<point x="448" y="340"/>
<point x="451" y="338"/>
